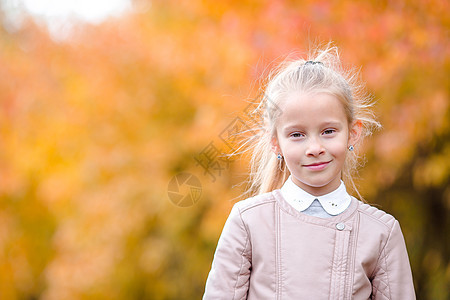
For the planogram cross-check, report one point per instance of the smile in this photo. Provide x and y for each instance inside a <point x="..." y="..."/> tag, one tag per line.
<point x="317" y="166"/>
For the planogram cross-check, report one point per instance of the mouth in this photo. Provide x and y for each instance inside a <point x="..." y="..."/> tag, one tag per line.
<point x="317" y="166"/>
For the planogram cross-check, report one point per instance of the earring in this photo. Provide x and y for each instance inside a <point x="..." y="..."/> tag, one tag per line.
<point x="351" y="148"/>
<point x="279" y="157"/>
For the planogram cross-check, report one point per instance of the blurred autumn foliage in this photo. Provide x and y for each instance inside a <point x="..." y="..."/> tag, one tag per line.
<point x="93" y="127"/>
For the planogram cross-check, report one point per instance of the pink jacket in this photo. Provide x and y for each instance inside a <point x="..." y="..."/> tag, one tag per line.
<point x="268" y="250"/>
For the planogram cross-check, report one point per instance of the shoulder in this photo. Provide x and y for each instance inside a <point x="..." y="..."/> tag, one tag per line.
<point x="376" y="217"/>
<point x="257" y="202"/>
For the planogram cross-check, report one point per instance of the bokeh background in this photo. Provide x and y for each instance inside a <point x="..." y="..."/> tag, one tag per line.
<point x="97" y="117"/>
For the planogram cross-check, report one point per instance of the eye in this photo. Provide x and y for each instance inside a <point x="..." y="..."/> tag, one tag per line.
<point x="296" y="135"/>
<point x="329" y="131"/>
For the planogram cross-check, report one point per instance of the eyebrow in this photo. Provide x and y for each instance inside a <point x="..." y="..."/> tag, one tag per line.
<point x="324" y="124"/>
<point x="332" y="124"/>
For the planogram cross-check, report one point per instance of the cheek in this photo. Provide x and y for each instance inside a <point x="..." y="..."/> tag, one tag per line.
<point x="291" y="149"/>
<point x="338" y="150"/>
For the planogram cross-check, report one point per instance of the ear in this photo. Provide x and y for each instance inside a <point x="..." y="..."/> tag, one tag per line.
<point x="275" y="145"/>
<point x="355" y="131"/>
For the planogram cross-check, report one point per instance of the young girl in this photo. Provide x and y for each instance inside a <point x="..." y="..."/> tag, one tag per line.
<point x="302" y="236"/>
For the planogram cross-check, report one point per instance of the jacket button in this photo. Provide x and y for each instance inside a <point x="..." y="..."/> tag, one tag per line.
<point x="340" y="226"/>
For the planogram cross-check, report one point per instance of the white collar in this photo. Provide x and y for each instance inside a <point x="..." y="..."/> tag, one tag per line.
<point x="333" y="203"/>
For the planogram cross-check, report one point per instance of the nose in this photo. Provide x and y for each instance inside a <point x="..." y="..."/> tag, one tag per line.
<point x="314" y="147"/>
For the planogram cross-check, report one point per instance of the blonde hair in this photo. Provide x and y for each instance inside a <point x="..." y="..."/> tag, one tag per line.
<point x="321" y="72"/>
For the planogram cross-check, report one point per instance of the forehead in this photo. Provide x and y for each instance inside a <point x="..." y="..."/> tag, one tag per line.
<point x="310" y="109"/>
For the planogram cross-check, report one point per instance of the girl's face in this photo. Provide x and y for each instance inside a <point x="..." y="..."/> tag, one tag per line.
<point x="313" y="135"/>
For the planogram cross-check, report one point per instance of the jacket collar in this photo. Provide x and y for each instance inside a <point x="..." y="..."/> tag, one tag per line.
<point x="333" y="203"/>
